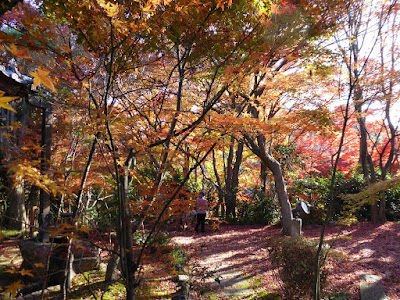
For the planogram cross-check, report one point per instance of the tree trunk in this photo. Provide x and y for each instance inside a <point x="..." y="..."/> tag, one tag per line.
<point x="16" y="213"/>
<point x="221" y="202"/>
<point x="259" y="149"/>
<point x="45" y="218"/>
<point x="382" y="210"/>
<point x="229" y="203"/>
<point x="280" y="187"/>
<point x="15" y="216"/>
<point x="263" y="177"/>
<point x="128" y="262"/>
<point x="112" y="266"/>
<point x="232" y="178"/>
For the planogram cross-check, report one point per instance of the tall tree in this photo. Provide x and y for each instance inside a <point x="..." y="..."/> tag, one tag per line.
<point x="143" y="76"/>
<point x="364" y="31"/>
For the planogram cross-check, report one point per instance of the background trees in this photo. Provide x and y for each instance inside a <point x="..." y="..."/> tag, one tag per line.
<point x="368" y="60"/>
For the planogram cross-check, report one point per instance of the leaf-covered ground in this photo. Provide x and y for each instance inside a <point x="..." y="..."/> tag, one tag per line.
<point x="366" y="248"/>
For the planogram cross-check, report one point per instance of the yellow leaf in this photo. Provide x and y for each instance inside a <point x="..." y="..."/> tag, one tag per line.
<point x="41" y="77"/>
<point x="13" y="288"/>
<point x="18" y="53"/>
<point x="148" y="7"/>
<point x="16" y="124"/>
<point x="111" y="9"/>
<point x="24" y="272"/>
<point x="4" y="101"/>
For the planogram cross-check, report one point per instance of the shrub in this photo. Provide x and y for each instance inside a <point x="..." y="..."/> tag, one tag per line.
<point x="261" y="210"/>
<point x="393" y="204"/>
<point x="317" y="190"/>
<point x="295" y="260"/>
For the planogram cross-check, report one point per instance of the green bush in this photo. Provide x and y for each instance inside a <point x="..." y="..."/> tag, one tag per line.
<point x="261" y="210"/>
<point x="295" y="261"/>
<point x="393" y="204"/>
<point x="318" y="189"/>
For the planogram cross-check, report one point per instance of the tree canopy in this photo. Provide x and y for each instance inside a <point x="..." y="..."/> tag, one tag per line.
<point x="141" y="104"/>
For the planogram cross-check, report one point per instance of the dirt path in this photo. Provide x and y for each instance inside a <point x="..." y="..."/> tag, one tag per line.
<point x="238" y="257"/>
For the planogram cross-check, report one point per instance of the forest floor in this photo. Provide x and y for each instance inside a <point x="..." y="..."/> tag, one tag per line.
<point x="233" y="263"/>
<point x="238" y="256"/>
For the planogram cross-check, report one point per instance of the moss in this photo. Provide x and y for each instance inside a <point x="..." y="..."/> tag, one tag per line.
<point x="263" y="295"/>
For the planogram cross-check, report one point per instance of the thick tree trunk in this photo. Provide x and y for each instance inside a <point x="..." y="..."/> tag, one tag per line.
<point x="382" y="210"/>
<point x="263" y="177"/>
<point x="16" y="213"/>
<point x="280" y="187"/>
<point x="259" y="149"/>
<point x="15" y="216"/>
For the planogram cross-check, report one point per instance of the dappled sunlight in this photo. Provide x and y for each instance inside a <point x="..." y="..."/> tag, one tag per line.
<point x="360" y="249"/>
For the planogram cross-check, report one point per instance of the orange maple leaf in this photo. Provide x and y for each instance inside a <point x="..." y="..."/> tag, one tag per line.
<point x="13" y="288"/>
<point x="21" y="53"/>
<point x="221" y="4"/>
<point x="39" y="265"/>
<point x="24" y="272"/>
<point x="12" y="271"/>
<point x="275" y="9"/>
<point x="4" y="101"/>
<point x="41" y="77"/>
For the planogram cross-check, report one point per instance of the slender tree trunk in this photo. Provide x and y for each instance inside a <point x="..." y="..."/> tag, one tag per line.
<point x="78" y="201"/>
<point x="365" y="159"/>
<point x="221" y="202"/>
<point x="229" y="203"/>
<point x="45" y="218"/>
<point x="127" y="254"/>
<point x="232" y="178"/>
<point x="235" y="173"/>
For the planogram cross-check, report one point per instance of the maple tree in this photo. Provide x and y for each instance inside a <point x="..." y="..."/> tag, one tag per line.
<point x="143" y="92"/>
<point x="113" y="105"/>
<point x="366" y="87"/>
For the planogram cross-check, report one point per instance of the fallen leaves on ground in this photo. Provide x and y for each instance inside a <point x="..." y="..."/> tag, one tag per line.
<point x="363" y="248"/>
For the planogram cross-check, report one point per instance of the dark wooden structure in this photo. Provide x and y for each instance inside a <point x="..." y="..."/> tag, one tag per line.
<point x="13" y="83"/>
